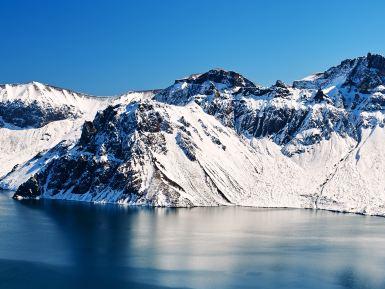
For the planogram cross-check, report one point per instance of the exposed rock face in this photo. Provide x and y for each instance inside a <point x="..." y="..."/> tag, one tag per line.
<point x="34" y="105"/>
<point x="217" y="138"/>
<point x="228" y="78"/>
<point x="280" y="112"/>
<point x="30" y="189"/>
<point x="34" y="118"/>
<point x="102" y="148"/>
<point x="32" y="115"/>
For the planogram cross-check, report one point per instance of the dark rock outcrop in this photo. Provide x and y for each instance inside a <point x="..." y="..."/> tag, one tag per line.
<point x="33" y="115"/>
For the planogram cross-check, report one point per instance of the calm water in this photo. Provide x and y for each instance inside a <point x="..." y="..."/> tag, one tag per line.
<point x="68" y="245"/>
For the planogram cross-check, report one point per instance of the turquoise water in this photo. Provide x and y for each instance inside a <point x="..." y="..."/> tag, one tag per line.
<point x="47" y="244"/>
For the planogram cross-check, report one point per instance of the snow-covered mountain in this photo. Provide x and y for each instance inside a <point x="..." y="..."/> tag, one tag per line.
<point x="218" y="139"/>
<point x="35" y="118"/>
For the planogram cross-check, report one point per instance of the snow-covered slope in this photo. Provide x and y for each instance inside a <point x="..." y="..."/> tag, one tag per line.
<point x="160" y="154"/>
<point x="34" y="105"/>
<point x="20" y="145"/>
<point x="218" y="139"/>
<point x="36" y="117"/>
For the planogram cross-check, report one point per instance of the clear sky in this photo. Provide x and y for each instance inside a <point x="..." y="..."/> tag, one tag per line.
<point x="108" y="47"/>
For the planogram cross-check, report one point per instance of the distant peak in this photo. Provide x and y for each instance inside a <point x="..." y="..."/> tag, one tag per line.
<point x="364" y="73"/>
<point x="31" y="83"/>
<point x="280" y="83"/>
<point x="219" y="71"/>
<point x="376" y="61"/>
<point x="36" y="82"/>
<point x="37" y="85"/>
<point x="219" y="75"/>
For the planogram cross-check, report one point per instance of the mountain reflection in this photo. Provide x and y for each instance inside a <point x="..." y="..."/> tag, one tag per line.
<point x="222" y="247"/>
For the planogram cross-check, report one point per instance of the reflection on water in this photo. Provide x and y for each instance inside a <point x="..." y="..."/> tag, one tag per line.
<point x="49" y="244"/>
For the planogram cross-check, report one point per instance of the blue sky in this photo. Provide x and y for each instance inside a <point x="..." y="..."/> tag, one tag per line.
<point x="108" y="47"/>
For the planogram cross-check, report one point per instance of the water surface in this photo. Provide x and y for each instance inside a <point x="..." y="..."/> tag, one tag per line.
<point x="45" y="244"/>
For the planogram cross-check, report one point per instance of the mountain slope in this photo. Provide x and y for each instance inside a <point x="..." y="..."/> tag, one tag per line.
<point x="34" y="105"/>
<point x="35" y="117"/>
<point x="24" y="150"/>
<point x="219" y="139"/>
<point x="159" y="154"/>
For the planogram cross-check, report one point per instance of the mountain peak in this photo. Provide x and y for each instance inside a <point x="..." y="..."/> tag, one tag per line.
<point x="280" y="83"/>
<point x="364" y="73"/>
<point x="36" y="83"/>
<point x="376" y="61"/>
<point x="220" y="76"/>
<point x="209" y="83"/>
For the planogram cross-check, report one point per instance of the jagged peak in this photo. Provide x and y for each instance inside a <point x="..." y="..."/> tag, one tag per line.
<point x="364" y="72"/>
<point x="281" y="84"/>
<point x="376" y="61"/>
<point x="219" y="75"/>
<point x="370" y="60"/>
